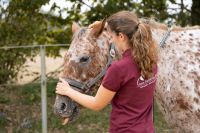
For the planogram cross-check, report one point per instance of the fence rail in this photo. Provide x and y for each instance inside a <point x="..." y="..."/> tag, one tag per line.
<point x="17" y="84"/>
<point x="32" y="46"/>
<point x="43" y="79"/>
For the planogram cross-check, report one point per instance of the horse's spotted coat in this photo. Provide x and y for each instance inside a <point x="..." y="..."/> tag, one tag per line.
<point x="178" y="86"/>
<point x="86" y="45"/>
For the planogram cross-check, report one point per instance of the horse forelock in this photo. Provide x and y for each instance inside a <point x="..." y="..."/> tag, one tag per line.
<point x="80" y="33"/>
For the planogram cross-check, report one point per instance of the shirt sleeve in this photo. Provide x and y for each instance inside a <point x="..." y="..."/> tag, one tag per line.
<point x="111" y="80"/>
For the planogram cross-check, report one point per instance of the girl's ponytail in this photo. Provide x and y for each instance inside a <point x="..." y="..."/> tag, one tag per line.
<point x="140" y="38"/>
<point x="144" y="49"/>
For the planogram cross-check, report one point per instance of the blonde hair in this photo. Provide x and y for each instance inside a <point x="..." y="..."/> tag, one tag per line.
<point x="144" y="49"/>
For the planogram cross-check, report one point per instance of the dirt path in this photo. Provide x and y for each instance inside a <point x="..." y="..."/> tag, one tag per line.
<point x="33" y="67"/>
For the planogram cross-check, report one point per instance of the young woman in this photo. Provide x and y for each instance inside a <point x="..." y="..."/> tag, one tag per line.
<point x="129" y="83"/>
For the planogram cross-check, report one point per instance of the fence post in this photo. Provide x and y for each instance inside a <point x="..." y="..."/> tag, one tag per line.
<point x="43" y="89"/>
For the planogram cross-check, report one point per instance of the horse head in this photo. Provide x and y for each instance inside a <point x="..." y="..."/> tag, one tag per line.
<point x="84" y="63"/>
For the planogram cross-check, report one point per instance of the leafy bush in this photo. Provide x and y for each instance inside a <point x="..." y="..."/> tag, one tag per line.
<point x="22" y="23"/>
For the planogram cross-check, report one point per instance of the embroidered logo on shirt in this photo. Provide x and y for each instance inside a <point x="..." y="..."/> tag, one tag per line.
<point x="143" y="83"/>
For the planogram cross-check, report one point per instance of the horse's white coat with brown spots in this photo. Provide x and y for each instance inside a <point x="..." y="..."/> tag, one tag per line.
<point x="86" y="45"/>
<point x="178" y="85"/>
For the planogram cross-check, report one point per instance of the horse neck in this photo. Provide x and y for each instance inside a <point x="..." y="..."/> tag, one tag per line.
<point x="178" y="35"/>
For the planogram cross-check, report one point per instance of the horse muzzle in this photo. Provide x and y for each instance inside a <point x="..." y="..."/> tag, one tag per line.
<point x="65" y="108"/>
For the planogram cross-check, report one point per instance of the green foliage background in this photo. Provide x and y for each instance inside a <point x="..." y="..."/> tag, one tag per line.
<point x="23" y="22"/>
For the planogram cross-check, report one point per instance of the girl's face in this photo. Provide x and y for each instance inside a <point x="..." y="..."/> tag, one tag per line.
<point x="114" y="37"/>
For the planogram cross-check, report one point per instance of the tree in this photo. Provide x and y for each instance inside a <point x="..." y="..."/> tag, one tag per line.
<point x="195" y="13"/>
<point x="22" y="23"/>
<point x="186" y="16"/>
<point x="100" y="9"/>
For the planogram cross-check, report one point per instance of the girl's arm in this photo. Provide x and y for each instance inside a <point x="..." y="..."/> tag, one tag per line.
<point x="97" y="102"/>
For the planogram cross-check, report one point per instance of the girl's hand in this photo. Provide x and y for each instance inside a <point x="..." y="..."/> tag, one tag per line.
<point x="63" y="87"/>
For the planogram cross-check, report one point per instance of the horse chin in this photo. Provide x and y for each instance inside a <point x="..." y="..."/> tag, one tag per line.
<point x="71" y="118"/>
<point x="67" y="118"/>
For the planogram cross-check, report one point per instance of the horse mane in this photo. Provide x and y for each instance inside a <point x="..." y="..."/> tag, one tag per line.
<point x="157" y="25"/>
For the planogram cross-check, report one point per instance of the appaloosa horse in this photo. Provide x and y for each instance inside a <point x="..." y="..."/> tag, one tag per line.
<point x="178" y="85"/>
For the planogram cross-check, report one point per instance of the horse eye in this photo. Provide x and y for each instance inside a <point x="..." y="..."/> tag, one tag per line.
<point x="84" y="59"/>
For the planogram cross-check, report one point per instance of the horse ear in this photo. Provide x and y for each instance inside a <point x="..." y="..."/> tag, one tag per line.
<point x="75" y="27"/>
<point x="97" y="28"/>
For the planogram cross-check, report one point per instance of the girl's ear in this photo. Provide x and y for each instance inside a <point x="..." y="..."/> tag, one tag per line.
<point x="121" y="36"/>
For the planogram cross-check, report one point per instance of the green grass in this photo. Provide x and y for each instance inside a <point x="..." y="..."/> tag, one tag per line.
<point x="4" y="99"/>
<point x="3" y="123"/>
<point x="24" y="102"/>
<point x="159" y="121"/>
<point x="88" y="122"/>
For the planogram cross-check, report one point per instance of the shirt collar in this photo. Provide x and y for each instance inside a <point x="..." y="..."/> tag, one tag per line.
<point x="127" y="52"/>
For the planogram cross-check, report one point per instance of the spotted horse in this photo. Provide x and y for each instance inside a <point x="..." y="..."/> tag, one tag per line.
<point x="178" y="85"/>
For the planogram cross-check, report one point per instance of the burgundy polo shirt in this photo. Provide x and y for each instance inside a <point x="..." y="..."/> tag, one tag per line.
<point x="133" y="101"/>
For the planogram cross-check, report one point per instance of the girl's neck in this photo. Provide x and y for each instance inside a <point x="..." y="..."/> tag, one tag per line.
<point x="125" y="46"/>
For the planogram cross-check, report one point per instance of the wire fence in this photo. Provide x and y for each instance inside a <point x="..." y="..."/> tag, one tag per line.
<point x="30" y="47"/>
<point x="33" y="46"/>
<point x="42" y="76"/>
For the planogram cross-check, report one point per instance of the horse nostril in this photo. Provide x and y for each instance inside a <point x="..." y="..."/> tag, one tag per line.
<point x="84" y="59"/>
<point x="62" y="106"/>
